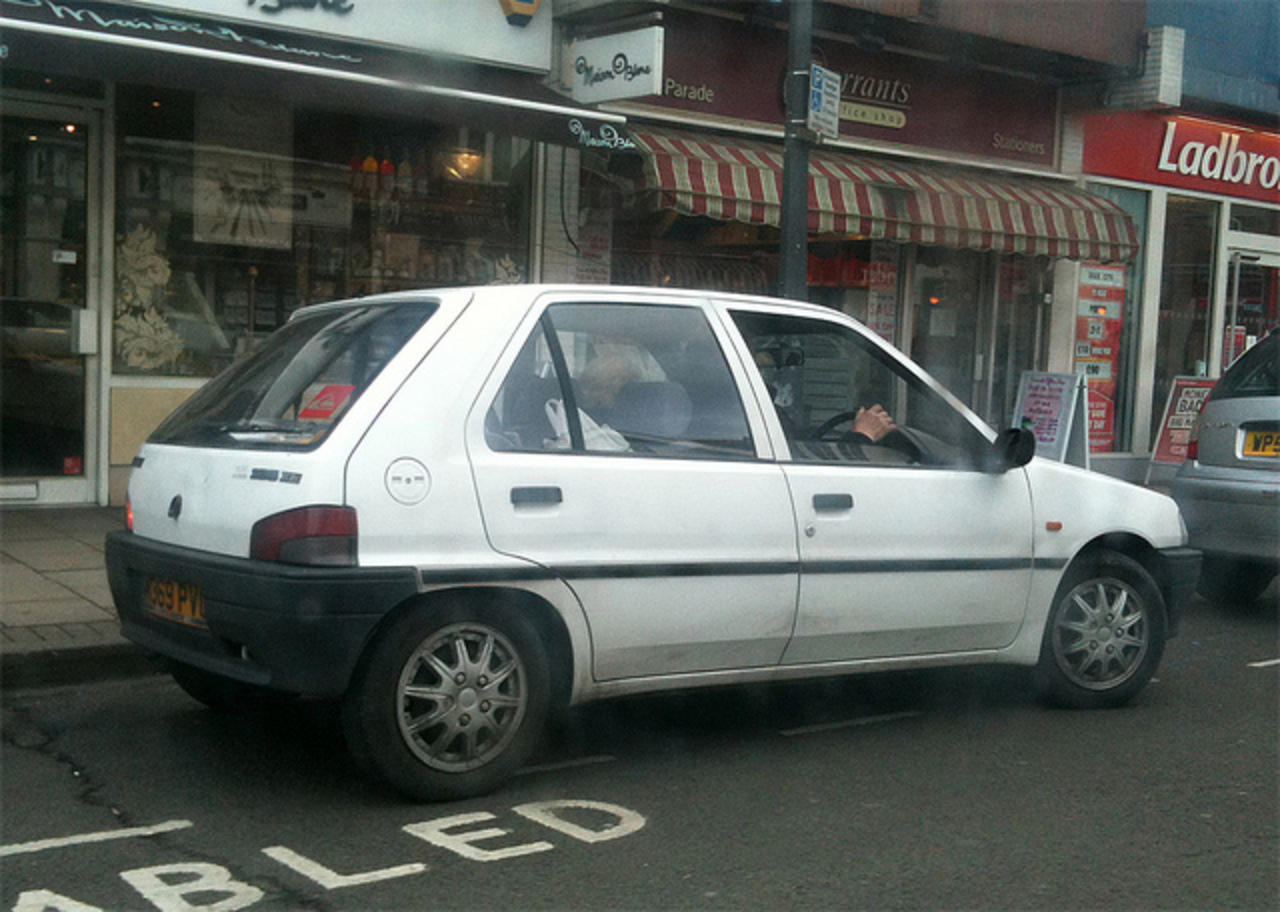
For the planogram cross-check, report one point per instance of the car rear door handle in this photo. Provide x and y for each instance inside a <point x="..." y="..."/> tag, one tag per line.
<point x="832" y="503"/>
<point x="545" y="494"/>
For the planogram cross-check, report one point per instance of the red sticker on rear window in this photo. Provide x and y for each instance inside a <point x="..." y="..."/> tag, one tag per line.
<point x="328" y="401"/>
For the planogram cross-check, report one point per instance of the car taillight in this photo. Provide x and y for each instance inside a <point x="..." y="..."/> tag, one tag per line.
<point x="317" y="536"/>
<point x="1193" y="442"/>
<point x="128" y="514"/>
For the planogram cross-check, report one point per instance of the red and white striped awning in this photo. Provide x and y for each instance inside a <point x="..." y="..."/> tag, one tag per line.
<point x="741" y="180"/>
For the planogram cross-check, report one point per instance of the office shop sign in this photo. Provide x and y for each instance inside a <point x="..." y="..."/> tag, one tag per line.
<point x="1191" y="154"/>
<point x="625" y="65"/>
<point x="503" y="32"/>
<point x="729" y="71"/>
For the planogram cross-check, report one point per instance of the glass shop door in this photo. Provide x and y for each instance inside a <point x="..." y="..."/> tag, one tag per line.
<point x="48" y="329"/>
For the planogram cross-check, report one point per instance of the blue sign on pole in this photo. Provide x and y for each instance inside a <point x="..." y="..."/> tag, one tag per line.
<point x="824" y="102"/>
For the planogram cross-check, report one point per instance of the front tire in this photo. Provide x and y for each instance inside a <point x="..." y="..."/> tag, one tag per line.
<point x="449" y="701"/>
<point x="1104" y="635"/>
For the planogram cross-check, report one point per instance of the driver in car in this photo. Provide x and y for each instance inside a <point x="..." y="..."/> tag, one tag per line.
<point x="872" y="424"/>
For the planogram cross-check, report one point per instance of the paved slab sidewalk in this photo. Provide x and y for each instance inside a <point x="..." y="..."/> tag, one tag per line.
<point x="57" y="622"/>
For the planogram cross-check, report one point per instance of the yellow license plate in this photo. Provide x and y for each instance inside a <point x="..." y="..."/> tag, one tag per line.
<point x="1262" y="443"/>
<point x="174" y="601"/>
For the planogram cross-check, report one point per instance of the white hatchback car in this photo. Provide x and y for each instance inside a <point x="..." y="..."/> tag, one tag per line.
<point x="460" y="509"/>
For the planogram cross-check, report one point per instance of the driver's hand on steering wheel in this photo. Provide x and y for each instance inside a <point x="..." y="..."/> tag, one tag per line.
<point x="873" y="423"/>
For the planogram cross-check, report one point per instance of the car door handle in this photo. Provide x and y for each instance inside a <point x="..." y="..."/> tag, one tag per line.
<point x="547" y="494"/>
<point x="832" y="503"/>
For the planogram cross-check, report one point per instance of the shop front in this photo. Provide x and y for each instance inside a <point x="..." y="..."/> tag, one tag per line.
<point x="938" y="216"/>
<point x="1209" y="194"/>
<point x="174" y="187"/>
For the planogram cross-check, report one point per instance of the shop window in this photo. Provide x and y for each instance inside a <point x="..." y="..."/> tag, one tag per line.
<point x="1253" y="287"/>
<point x="946" y="294"/>
<point x="1021" y="331"/>
<point x="231" y="213"/>
<point x="859" y="278"/>
<point x="1182" y="341"/>
<point x="1253" y="304"/>
<point x="1255" y="220"/>
<point x="15" y="79"/>
<point x="1108" y="333"/>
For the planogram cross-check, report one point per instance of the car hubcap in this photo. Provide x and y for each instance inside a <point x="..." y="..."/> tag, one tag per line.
<point x="461" y="697"/>
<point x="1100" y="635"/>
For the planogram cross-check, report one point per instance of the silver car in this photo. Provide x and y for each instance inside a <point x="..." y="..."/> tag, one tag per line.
<point x="1229" y="487"/>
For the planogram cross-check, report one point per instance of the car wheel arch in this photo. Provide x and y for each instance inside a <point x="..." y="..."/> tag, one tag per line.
<point x="1137" y="549"/>
<point x="546" y="618"/>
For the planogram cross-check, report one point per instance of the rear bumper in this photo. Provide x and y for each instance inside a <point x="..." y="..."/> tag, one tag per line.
<point x="1229" y="515"/>
<point x="293" y="628"/>
<point x="1179" y="572"/>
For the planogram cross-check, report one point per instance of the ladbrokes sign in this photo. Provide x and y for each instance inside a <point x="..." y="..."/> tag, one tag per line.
<point x="1185" y="152"/>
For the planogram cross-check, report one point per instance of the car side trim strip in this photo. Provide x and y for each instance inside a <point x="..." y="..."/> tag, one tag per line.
<point x="433" y="577"/>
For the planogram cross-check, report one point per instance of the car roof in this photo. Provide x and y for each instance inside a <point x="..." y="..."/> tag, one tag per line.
<point x="642" y="295"/>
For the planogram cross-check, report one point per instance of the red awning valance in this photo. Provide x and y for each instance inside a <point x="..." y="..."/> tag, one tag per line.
<point x="731" y="179"/>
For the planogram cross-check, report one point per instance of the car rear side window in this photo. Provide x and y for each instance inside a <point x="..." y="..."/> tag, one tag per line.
<point x="1257" y="373"/>
<point x="622" y="378"/>
<point x="296" y="386"/>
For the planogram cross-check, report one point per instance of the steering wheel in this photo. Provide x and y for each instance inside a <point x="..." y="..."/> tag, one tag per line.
<point x="902" y="439"/>
<point x="822" y="430"/>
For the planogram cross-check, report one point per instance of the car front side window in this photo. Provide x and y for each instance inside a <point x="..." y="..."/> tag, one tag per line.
<point x="645" y="380"/>
<point x="821" y="375"/>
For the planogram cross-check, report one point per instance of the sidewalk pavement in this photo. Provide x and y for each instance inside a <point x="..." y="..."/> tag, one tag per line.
<point x="57" y="622"/>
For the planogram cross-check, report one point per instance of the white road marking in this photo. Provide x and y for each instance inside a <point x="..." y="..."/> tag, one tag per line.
<point x="23" y="848"/>
<point x="1267" y="664"/>
<point x="331" y="879"/>
<point x="565" y="764"/>
<point x="849" y="723"/>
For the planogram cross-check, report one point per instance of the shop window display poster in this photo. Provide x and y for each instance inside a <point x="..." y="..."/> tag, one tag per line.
<point x="1099" y="328"/>
<point x="243" y="173"/>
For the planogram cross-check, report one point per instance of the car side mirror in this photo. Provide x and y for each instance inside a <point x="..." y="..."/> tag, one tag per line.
<point x="1013" y="449"/>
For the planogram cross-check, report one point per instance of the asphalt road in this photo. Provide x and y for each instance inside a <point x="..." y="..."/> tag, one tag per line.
<point x="945" y="790"/>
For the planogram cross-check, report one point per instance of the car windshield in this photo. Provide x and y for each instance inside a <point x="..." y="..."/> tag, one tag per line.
<point x="295" y="387"/>
<point x="1257" y="373"/>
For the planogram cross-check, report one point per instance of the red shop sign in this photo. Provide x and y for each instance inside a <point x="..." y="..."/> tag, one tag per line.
<point x="1185" y="152"/>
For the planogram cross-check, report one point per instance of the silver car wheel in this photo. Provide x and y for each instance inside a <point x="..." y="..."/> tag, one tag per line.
<point x="461" y="697"/>
<point x="1100" y="634"/>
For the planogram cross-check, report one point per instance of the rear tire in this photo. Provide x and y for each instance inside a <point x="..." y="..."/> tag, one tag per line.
<point x="449" y="700"/>
<point x="1232" y="580"/>
<point x="1104" y="635"/>
<point x="226" y="695"/>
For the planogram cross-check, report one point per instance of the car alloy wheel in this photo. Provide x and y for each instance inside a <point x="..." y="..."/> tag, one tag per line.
<point x="461" y="697"/>
<point x="1100" y="634"/>
<point x="449" y="699"/>
<point x="1105" y="633"/>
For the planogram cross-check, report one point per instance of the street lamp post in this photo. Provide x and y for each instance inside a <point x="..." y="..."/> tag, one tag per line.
<point x="795" y="162"/>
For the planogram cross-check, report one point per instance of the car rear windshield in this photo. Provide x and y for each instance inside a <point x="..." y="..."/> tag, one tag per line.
<point x="299" y="382"/>
<point x="1257" y="373"/>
